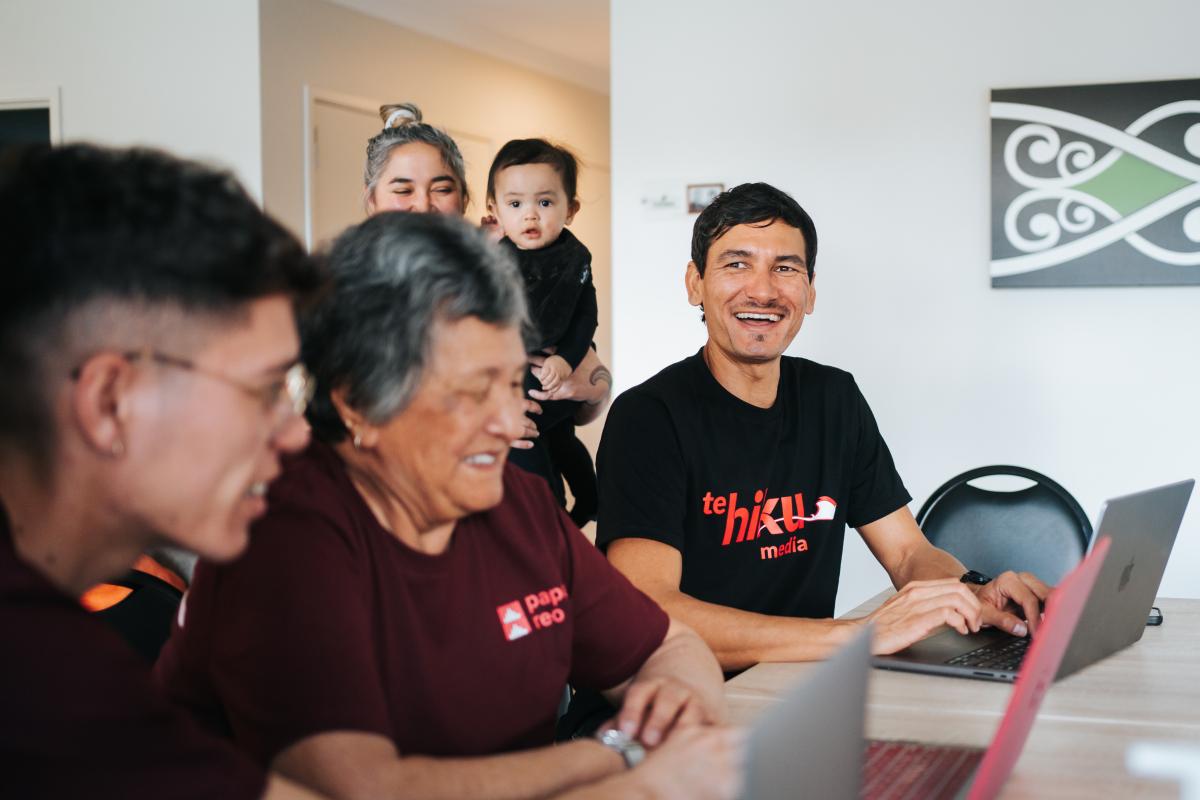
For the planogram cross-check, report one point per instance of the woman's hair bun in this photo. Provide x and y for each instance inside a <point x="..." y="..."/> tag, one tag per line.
<point x="395" y="115"/>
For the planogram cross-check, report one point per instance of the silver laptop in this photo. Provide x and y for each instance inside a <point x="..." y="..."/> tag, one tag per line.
<point x="1142" y="527"/>
<point x="811" y="743"/>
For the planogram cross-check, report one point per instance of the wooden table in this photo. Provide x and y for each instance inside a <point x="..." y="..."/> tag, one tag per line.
<point x="1147" y="692"/>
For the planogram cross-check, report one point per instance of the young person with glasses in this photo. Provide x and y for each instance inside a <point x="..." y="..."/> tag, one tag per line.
<point x="151" y="384"/>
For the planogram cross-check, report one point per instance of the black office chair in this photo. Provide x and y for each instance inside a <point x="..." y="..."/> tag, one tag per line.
<point x="1039" y="529"/>
<point x="143" y="617"/>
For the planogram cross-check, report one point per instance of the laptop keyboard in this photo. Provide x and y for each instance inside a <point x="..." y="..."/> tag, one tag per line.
<point x="1002" y="655"/>
<point x="901" y="770"/>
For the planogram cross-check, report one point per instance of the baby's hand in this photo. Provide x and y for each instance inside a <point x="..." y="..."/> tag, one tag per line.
<point x="554" y="371"/>
<point x="491" y="227"/>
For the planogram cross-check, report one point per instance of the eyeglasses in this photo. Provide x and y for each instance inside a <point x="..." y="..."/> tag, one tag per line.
<point x="295" y="388"/>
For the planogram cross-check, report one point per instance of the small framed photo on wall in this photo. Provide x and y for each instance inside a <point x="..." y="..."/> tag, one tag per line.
<point x="699" y="195"/>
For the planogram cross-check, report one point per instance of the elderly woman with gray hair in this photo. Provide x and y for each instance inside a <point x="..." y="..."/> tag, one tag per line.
<point x="411" y="606"/>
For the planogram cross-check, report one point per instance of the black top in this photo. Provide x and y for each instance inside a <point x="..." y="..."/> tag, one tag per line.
<point x="561" y="295"/>
<point x="78" y="714"/>
<point x="755" y="499"/>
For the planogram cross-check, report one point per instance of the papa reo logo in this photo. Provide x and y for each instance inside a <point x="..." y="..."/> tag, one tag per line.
<point x="543" y="611"/>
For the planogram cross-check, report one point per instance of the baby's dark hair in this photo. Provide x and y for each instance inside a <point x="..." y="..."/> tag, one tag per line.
<point x="536" y="151"/>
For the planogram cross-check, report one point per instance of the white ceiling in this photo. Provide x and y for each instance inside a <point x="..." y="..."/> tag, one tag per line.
<point x="564" y="38"/>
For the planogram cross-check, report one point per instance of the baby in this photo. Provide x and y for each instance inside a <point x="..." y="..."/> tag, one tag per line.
<point x="531" y="195"/>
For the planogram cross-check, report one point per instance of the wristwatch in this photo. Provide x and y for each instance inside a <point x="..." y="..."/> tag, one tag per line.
<point x="977" y="578"/>
<point x="630" y="749"/>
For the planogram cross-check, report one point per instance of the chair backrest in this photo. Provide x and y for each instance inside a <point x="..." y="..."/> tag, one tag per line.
<point x="1039" y="529"/>
<point x="144" y="617"/>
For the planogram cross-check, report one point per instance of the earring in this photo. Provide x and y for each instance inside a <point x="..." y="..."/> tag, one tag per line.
<point x="357" y="440"/>
<point x="117" y="449"/>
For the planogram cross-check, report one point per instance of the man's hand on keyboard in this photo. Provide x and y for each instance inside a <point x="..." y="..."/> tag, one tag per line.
<point x="1010" y="596"/>
<point x="920" y="608"/>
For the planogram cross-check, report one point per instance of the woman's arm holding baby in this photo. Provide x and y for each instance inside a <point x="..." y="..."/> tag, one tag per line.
<point x="590" y="383"/>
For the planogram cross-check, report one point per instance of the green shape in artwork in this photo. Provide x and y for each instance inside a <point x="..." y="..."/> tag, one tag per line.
<point x="1131" y="183"/>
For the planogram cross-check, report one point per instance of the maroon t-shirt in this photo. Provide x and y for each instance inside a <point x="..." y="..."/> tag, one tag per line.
<point x="79" y="715"/>
<point x="329" y="623"/>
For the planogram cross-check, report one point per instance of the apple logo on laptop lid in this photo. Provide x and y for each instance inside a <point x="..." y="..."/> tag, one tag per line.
<point x="1125" y="575"/>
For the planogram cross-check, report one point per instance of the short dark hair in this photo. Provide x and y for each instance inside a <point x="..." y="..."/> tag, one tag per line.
<point x="393" y="277"/>
<point x="536" y="151"/>
<point x="751" y="204"/>
<point x="84" y="224"/>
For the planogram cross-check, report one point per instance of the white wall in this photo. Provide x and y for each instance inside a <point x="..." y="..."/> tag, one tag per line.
<point x="179" y="75"/>
<point x="875" y="117"/>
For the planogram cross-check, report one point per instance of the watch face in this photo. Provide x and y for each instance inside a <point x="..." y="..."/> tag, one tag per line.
<point x="630" y="749"/>
<point x="614" y="737"/>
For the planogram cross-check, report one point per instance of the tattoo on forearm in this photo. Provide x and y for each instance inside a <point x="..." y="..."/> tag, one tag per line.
<point x="600" y="373"/>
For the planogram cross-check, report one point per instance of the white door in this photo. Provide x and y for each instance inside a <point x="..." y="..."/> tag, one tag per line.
<point x="339" y="153"/>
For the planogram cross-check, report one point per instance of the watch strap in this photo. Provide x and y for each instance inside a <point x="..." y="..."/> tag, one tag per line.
<point x="977" y="578"/>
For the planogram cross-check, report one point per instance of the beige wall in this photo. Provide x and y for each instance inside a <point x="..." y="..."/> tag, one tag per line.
<point x="308" y="42"/>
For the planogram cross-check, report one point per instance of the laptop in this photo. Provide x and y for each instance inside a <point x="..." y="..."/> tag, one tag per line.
<point x="1142" y="527"/>
<point x="811" y="743"/>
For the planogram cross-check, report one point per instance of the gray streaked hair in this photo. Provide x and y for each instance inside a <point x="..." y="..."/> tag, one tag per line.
<point x="394" y="277"/>
<point x="402" y="125"/>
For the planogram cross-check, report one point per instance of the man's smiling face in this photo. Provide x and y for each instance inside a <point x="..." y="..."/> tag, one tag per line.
<point x="755" y="290"/>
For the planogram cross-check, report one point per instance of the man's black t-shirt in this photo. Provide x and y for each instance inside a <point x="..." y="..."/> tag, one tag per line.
<point x="755" y="499"/>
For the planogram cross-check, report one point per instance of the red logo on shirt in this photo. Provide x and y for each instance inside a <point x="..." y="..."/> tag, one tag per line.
<point x="513" y="620"/>
<point x="543" y="608"/>
<point x="773" y="515"/>
<point x="761" y="518"/>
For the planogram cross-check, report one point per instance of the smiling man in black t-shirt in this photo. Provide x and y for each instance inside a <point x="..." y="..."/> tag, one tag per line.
<point x="727" y="479"/>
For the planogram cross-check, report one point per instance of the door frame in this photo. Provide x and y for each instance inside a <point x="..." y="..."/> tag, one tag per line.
<point x="312" y="96"/>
